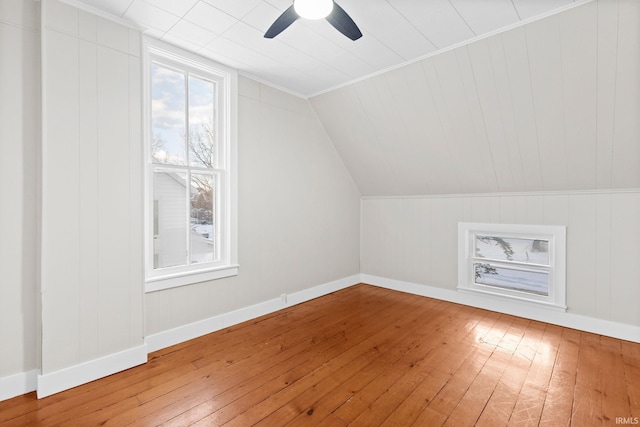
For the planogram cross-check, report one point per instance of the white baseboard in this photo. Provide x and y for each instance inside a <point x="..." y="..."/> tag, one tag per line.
<point x="74" y="376"/>
<point x="193" y="330"/>
<point x="18" y="384"/>
<point x="48" y="384"/>
<point x="67" y="378"/>
<point x="568" y="320"/>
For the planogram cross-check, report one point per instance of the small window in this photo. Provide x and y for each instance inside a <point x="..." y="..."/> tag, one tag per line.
<point x="523" y="262"/>
<point x="190" y="168"/>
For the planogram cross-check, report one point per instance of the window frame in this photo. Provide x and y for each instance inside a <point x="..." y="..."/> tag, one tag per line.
<point x="555" y="235"/>
<point x="226" y="196"/>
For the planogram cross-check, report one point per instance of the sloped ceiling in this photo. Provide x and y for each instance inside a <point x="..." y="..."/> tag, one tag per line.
<point x="310" y="57"/>
<point x="552" y="105"/>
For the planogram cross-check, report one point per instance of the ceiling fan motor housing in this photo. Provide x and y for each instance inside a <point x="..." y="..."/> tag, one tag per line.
<point x="313" y="9"/>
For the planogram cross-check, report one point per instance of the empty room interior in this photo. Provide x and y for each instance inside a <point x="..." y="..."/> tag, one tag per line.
<point x="310" y="212"/>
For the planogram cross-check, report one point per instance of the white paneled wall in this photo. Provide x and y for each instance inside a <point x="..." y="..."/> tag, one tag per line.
<point x="552" y="105"/>
<point x="299" y="207"/>
<point x="92" y="283"/>
<point x="415" y="240"/>
<point x="544" y="117"/>
<point x="19" y="153"/>
<point x="299" y="214"/>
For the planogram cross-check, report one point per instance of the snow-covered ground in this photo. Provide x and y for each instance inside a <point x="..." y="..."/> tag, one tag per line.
<point x="202" y="249"/>
<point x="528" y="281"/>
<point x="204" y="230"/>
<point x="526" y="251"/>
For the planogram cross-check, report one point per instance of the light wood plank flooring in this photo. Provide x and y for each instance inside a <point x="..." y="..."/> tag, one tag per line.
<point x="363" y="356"/>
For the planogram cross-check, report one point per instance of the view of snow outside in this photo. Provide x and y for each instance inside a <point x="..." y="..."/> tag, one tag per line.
<point x="202" y="243"/>
<point x="512" y="250"/>
<point x="204" y="230"/>
<point x="184" y="139"/>
<point x="507" y="278"/>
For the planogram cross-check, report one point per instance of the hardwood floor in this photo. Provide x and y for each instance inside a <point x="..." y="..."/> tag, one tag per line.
<point x="364" y="356"/>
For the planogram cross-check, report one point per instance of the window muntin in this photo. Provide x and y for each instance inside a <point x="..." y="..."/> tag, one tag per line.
<point x="191" y="179"/>
<point x="524" y="262"/>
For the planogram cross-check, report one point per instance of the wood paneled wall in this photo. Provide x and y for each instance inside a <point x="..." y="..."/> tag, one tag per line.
<point x="552" y="105"/>
<point x="299" y="207"/>
<point x="92" y="282"/>
<point x="19" y="153"/>
<point x="299" y="214"/>
<point x="415" y="240"/>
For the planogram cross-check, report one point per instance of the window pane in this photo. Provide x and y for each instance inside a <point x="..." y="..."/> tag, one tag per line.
<point x="527" y="251"/>
<point x="170" y="219"/>
<point x="202" y="132"/>
<point x="202" y="218"/>
<point x="168" y="116"/>
<point x="535" y="282"/>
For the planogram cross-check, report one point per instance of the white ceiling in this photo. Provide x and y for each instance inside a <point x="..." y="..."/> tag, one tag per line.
<point x="311" y="57"/>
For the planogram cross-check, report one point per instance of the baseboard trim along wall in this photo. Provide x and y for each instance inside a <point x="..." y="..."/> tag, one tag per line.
<point x="64" y="379"/>
<point x="48" y="384"/>
<point x="193" y="330"/>
<point x="18" y="384"/>
<point x="568" y="320"/>
<point x="83" y="373"/>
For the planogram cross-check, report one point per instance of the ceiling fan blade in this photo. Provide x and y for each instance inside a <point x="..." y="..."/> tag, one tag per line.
<point x="343" y="23"/>
<point x="279" y="25"/>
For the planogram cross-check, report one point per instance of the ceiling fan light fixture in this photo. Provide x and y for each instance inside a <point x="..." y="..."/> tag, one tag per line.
<point x="313" y="9"/>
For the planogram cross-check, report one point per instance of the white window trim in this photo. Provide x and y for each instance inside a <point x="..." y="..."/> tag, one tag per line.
<point x="228" y="266"/>
<point x="557" y="268"/>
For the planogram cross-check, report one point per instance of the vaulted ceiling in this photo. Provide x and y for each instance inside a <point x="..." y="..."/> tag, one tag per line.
<point x="424" y="103"/>
<point x="553" y="105"/>
<point x="311" y="56"/>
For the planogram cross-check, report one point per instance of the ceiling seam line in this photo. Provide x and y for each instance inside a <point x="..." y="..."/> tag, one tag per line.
<point x="463" y="20"/>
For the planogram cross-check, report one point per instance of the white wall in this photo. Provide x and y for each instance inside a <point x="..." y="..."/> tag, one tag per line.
<point x="299" y="214"/>
<point x="552" y="105"/>
<point x="299" y="208"/>
<point x="19" y="153"/>
<point x="573" y="114"/>
<point x="540" y="122"/>
<point x="414" y="240"/>
<point x="92" y="282"/>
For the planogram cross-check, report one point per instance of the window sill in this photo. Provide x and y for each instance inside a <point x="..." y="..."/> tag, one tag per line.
<point x="515" y="299"/>
<point x="189" y="278"/>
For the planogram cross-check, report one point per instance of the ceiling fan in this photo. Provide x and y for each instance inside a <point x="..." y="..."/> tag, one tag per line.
<point x="315" y="9"/>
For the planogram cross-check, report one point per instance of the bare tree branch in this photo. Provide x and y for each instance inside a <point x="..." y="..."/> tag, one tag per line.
<point x="202" y="145"/>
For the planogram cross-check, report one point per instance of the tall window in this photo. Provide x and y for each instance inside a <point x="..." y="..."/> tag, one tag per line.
<point x="191" y="169"/>
<point x="523" y="262"/>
